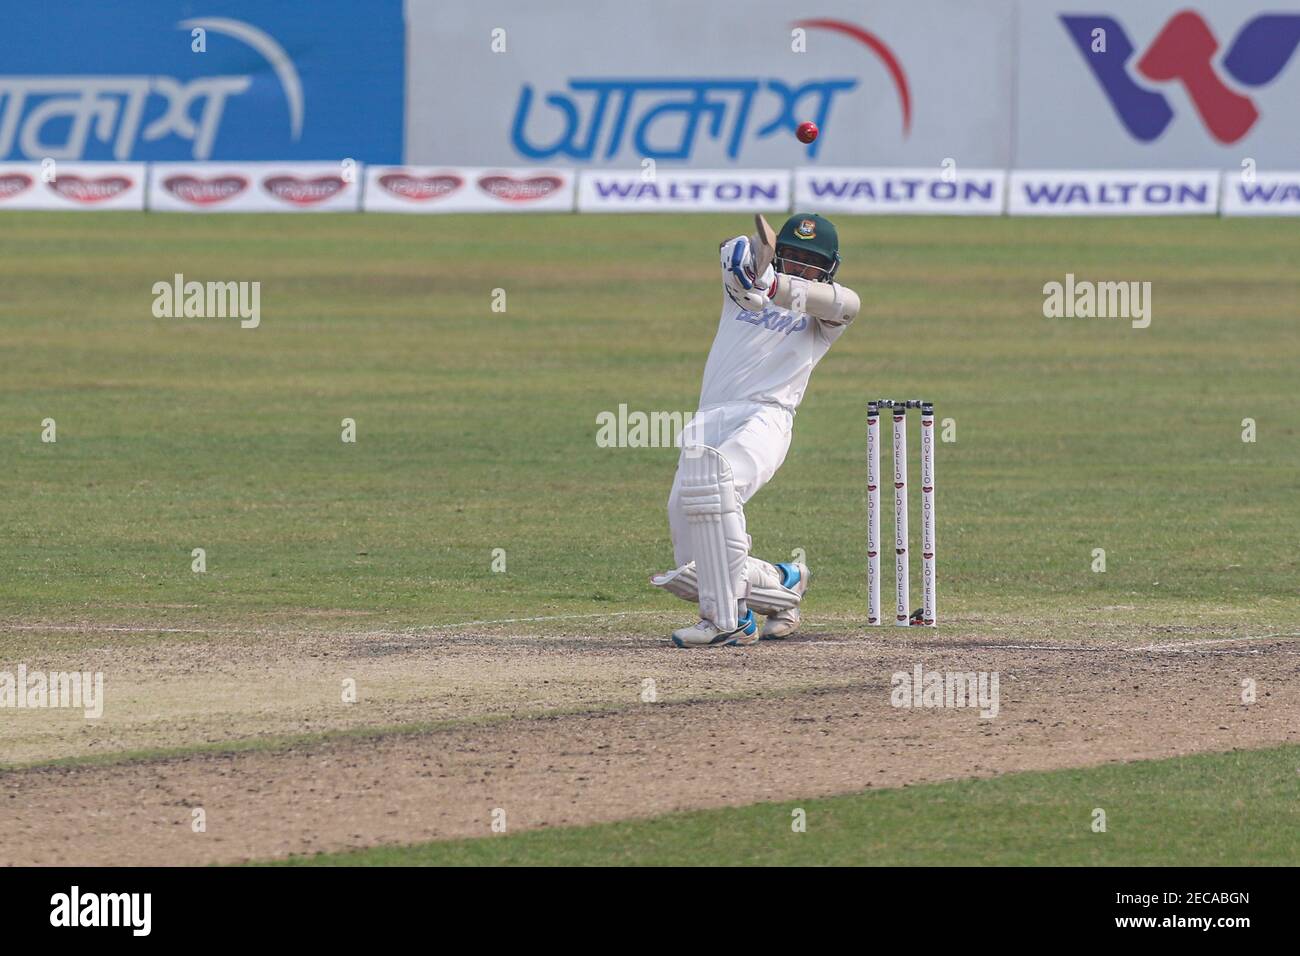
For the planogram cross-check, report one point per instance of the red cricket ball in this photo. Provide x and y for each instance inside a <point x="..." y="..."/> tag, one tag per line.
<point x="807" y="132"/>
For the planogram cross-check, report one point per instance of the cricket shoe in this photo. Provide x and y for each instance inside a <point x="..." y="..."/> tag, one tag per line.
<point x="707" y="634"/>
<point x="795" y="577"/>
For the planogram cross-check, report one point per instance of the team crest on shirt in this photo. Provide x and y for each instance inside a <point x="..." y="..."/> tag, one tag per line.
<point x="807" y="229"/>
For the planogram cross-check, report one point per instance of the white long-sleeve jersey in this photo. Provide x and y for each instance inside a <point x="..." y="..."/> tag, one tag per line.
<point x="765" y="356"/>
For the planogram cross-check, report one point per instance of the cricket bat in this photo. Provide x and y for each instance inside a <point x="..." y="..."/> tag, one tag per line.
<point x="764" y="244"/>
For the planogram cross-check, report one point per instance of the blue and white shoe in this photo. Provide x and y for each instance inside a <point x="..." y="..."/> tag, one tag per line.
<point x="705" y="634"/>
<point x="783" y="623"/>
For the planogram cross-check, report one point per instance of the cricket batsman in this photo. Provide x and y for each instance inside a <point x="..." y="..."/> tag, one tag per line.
<point x="781" y="312"/>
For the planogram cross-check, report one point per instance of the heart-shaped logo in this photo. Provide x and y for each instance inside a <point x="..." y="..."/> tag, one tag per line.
<point x="420" y="188"/>
<point x="205" y="192"/>
<point x="11" y="184"/>
<point x="304" y="192"/>
<point x="520" y="190"/>
<point x="86" y="190"/>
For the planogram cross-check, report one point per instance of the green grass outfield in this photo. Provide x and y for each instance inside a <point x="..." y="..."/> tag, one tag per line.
<point x="476" y="429"/>
<point x="1240" y="808"/>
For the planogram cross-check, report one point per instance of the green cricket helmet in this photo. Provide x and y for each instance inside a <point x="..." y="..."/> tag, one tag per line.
<point x="809" y="233"/>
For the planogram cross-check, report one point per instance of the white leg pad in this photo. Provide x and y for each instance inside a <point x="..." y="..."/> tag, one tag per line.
<point x="679" y="581"/>
<point x="716" y="526"/>
<point x="765" y="595"/>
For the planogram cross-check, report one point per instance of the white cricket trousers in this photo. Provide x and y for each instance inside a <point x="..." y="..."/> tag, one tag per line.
<point x="753" y="436"/>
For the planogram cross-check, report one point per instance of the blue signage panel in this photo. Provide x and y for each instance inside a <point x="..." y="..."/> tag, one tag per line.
<point x="168" y="80"/>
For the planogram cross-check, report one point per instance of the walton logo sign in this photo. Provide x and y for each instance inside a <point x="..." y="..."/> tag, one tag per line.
<point x="1184" y="51"/>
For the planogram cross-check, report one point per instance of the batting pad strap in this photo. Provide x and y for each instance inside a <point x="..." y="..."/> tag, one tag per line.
<point x="715" y="528"/>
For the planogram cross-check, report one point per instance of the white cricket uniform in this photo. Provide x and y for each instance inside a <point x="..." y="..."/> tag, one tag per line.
<point x="755" y="378"/>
